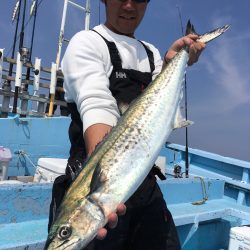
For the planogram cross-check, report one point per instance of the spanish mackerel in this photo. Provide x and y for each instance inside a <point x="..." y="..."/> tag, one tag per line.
<point x="122" y="161"/>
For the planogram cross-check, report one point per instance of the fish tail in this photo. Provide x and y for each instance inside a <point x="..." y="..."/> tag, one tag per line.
<point x="207" y="37"/>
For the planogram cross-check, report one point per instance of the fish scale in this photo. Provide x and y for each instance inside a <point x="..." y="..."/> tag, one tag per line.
<point x="122" y="161"/>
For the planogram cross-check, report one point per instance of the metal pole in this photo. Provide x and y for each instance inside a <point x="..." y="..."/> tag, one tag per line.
<point x="87" y="15"/>
<point x="58" y="56"/>
<point x="61" y="35"/>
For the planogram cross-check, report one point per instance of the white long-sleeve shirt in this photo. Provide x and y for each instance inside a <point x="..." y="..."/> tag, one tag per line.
<point x="86" y="66"/>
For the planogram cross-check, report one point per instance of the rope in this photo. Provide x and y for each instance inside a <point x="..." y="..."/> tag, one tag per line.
<point x="204" y="192"/>
<point x="24" y="154"/>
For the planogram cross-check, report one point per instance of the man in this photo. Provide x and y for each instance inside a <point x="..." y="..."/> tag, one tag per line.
<point x="105" y="68"/>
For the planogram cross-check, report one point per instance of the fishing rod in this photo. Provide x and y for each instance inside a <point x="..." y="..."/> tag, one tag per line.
<point x="186" y="103"/>
<point x="7" y="83"/>
<point x="21" y="54"/>
<point x="19" y="3"/>
<point x="99" y="12"/>
<point x="33" y="12"/>
<point x="24" y="27"/>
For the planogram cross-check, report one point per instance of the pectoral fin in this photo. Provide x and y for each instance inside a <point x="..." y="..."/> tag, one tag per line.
<point x="180" y="122"/>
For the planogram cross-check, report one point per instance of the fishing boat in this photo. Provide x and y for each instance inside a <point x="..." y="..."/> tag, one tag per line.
<point x="207" y="194"/>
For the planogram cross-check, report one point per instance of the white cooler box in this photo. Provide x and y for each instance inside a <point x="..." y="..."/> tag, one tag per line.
<point x="239" y="238"/>
<point x="5" y="157"/>
<point x="49" y="168"/>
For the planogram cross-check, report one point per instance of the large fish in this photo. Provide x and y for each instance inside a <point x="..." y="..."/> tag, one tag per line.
<point x="122" y="161"/>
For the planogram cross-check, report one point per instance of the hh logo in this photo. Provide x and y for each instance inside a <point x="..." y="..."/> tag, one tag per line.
<point x="120" y="75"/>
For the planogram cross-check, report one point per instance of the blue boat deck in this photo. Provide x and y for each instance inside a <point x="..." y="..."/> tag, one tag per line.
<point x="24" y="211"/>
<point x="23" y="235"/>
<point x="24" y="215"/>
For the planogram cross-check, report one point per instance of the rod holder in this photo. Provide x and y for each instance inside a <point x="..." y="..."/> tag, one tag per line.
<point x="41" y="105"/>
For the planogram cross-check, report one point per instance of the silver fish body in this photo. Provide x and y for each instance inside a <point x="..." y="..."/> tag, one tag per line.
<point x="120" y="164"/>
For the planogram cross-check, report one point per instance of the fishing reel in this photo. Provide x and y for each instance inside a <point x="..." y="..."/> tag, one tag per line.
<point x="25" y="54"/>
<point x="177" y="171"/>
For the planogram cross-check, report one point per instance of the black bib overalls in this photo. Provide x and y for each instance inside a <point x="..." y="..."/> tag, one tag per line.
<point x="147" y="224"/>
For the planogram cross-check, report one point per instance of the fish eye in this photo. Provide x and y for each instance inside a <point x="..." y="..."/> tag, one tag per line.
<point x="65" y="232"/>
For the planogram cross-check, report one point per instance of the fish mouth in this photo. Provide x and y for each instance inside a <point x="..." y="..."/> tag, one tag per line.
<point x="49" y="241"/>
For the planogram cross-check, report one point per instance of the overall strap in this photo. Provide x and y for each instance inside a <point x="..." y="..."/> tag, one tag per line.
<point x="150" y="56"/>
<point x="116" y="58"/>
<point x="113" y="51"/>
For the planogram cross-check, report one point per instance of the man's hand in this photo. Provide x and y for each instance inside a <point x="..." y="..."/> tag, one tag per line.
<point x="195" y="48"/>
<point x="112" y="221"/>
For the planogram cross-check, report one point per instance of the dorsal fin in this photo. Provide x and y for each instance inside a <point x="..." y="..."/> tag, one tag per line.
<point x="190" y="28"/>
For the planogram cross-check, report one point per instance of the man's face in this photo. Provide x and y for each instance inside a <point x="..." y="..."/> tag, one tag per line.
<point x="123" y="17"/>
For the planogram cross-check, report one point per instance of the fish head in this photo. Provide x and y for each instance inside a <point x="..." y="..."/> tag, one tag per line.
<point x="76" y="231"/>
<point x="62" y="237"/>
<point x="69" y="237"/>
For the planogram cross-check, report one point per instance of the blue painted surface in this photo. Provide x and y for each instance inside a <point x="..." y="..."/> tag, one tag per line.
<point x="32" y="138"/>
<point x="190" y="190"/>
<point x="212" y="235"/>
<point x="24" y="202"/>
<point x="26" y="235"/>
<point x="235" y="173"/>
<point x="24" y="212"/>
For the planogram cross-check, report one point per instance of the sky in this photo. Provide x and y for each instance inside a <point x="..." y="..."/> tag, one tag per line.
<point x="218" y="85"/>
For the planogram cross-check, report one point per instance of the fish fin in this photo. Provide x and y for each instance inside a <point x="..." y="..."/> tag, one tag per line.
<point x="180" y="122"/>
<point x="123" y="107"/>
<point x="207" y="37"/>
<point x="98" y="178"/>
<point x="190" y="29"/>
<point x="183" y="124"/>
